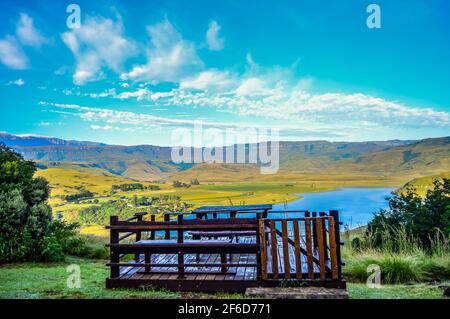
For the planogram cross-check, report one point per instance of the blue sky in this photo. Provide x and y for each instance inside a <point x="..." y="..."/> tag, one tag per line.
<point x="134" y="72"/>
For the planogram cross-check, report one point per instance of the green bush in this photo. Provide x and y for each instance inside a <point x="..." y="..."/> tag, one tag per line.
<point x="419" y="217"/>
<point x="27" y="231"/>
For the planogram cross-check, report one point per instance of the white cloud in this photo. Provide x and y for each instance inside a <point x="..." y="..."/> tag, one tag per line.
<point x="11" y="54"/>
<point x="210" y="79"/>
<point x="99" y="43"/>
<point x="251" y="86"/>
<point x="107" y="119"/>
<point x="140" y="94"/>
<point x="27" y="33"/>
<point x="18" y="82"/>
<point x="215" y="43"/>
<point x="170" y="57"/>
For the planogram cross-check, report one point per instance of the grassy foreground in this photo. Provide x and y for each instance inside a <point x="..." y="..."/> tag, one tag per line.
<point x="38" y="280"/>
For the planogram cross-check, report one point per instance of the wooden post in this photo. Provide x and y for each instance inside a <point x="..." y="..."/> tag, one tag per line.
<point x="152" y="233"/>
<point x="286" y="263"/>
<point x="114" y="239"/>
<point x="298" y="256"/>
<point x="180" y="240"/>
<point x="138" y="236"/>
<point x="337" y="232"/>
<point x="167" y="232"/>
<point x="314" y="232"/>
<point x="274" y="248"/>
<point x="309" y="253"/>
<point x="324" y="231"/>
<point x="320" y="240"/>
<point x="263" y="251"/>
<point x="148" y="256"/>
<point x="333" y="255"/>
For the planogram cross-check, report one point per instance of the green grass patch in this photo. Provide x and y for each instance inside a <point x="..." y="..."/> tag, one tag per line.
<point x="417" y="291"/>
<point x="49" y="280"/>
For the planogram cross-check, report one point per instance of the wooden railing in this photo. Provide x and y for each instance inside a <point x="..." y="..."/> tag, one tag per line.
<point x="147" y="229"/>
<point x="311" y="243"/>
<point x="303" y="248"/>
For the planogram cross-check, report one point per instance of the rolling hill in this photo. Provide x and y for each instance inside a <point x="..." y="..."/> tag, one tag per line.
<point x="408" y="159"/>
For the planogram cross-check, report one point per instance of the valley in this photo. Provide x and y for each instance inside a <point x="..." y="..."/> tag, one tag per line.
<point x="88" y="174"/>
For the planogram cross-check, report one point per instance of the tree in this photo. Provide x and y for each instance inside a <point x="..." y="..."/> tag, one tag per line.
<point x="27" y="231"/>
<point x="420" y="217"/>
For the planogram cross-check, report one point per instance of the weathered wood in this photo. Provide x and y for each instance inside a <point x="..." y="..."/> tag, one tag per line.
<point x="138" y="233"/>
<point x="126" y="235"/>
<point x="262" y="244"/>
<point x="274" y="252"/>
<point x="137" y="216"/>
<point x="152" y="233"/>
<point x="314" y="232"/>
<point x="337" y="233"/>
<point x="180" y="240"/>
<point x="186" y="265"/>
<point x="148" y="260"/>
<point x="333" y="255"/>
<point x="324" y="232"/>
<point x="167" y="232"/>
<point x="320" y="247"/>
<point x="287" y="266"/>
<point x="298" y="257"/>
<point x="114" y="255"/>
<point x="291" y="242"/>
<point x="309" y="257"/>
<point x="241" y="208"/>
<point x="173" y="263"/>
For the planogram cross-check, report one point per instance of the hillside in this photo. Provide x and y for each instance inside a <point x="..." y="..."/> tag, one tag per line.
<point x="385" y="159"/>
<point x="423" y="184"/>
<point x="36" y="140"/>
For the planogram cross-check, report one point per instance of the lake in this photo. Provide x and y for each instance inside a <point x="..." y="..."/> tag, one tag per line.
<point x="356" y="205"/>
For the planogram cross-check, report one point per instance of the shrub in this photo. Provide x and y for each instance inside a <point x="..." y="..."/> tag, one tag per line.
<point x="27" y="231"/>
<point x="418" y="217"/>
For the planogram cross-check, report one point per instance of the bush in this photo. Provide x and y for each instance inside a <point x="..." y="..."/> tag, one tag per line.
<point x="419" y="218"/>
<point x="27" y="231"/>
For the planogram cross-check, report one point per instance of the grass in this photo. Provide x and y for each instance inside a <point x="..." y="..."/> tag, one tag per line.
<point x="423" y="184"/>
<point x="405" y="262"/>
<point x="417" y="291"/>
<point x="43" y="280"/>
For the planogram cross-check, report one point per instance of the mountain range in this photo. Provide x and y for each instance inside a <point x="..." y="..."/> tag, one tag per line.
<point x="148" y="162"/>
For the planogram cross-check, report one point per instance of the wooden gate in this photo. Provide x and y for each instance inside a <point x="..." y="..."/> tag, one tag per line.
<point x="305" y="248"/>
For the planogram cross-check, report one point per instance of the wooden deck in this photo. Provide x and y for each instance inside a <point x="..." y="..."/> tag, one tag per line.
<point x="282" y="252"/>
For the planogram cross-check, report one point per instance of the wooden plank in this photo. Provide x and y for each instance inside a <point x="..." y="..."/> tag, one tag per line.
<point x="243" y="208"/>
<point x="167" y="232"/>
<point x="273" y="245"/>
<point x="325" y="237"/>
<point x="320" y="241"/>
<point x="114" y="255"/>
<point x="337" y="234"/>
<point x="298" y="257"/>
<point x="309" y="248"/>
<point x="333" y="255"/>
<point x="263" y="253"/>
<point x="287" y="266"/>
